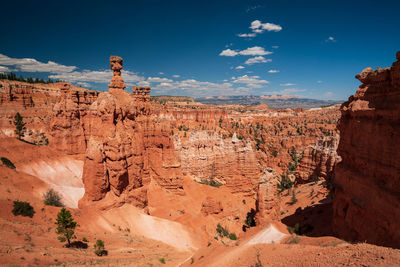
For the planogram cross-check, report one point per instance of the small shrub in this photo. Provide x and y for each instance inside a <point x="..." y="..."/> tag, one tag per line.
<point x="250" y="218"/>
<point x="232" y="236"/>
<point x="23" y="209"/>
<point x="99" y="248"/>
<point x="52" y="198"/>
<point x="293" y="240"/>
<point x="6" y="162"/>
<point x="19" y="125"/>
<point x="162" y="260"/>
<point x="222" y="231"/>
<point x="85" y="240"/>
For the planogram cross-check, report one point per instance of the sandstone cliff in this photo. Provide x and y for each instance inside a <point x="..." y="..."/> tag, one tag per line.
<point x="367" y="181"/>
<point x="318" y="160"/>
<point x="127" y="148"/>
<point x="208" y="156"/>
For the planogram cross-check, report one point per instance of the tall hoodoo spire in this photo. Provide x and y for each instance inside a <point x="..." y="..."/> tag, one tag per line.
<point x="117" y="83"/>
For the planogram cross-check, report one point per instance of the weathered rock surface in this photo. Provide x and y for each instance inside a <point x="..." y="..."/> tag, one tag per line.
<point x="267" y="204"/>
<point x="367" y="195"/>
<point x="67" y="126"/>
<point x="208" y="156"/>
<point x="319" y="160"/>
<point x="127" y="149"/>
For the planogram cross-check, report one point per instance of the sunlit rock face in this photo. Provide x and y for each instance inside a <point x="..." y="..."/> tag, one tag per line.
<point x="367" y="181"/>
<point x="127" y="148"/>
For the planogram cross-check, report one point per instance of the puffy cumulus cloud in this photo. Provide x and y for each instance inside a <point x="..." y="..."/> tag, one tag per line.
<point x="259" y="27"/>
<point x="287" y="84"/>
<point x="251" y="51"/>
<point x="83" y="84"/>
<point x="176" y="76"/>
<point x="161" y="73"/>
<point x="96" y="76"/>
<point x="228" y="53"/>
<point x="258" y="59"/>
<point x="143" y="84"/>
<point x="239" y="67"/>
<point x="4" y="69"/>
<point x="250" y="81"/>
<point x="255" y="51"/>
<point x="273" y="71"/>
<point x="158" y="80"/>
<point x="32" y="65"/>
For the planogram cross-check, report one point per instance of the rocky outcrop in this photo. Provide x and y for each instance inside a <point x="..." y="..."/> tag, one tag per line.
<point x="208" y="156"/>
<point x="67" y="126"/>
<point x="127" y="148"/>
<point x="267" y="203"/>
<point x="319" y="160"/>
<point x="367" y="181"/>
<point x="211" y="206"/>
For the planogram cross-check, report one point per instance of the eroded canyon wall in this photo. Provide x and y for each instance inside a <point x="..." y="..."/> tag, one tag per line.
<point x="367" y="181"/>
<point x="127" y="148"/>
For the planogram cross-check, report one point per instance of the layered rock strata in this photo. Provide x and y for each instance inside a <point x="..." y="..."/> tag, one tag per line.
<point x="367" y="181"/>
<point x="207" y="156"/>
<point x="319" y="160"/>
<point x="127" y="149"/>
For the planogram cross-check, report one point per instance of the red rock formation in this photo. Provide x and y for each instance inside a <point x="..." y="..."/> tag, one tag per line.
<point x="67" y="126"/>
<point x="267" y="204"/>
<point x="211" y="206"/>
<point x="208" y="156"/>
<point x="126" y="148"/>
<point x="319" y="160"/>
<point x="367" y="194"/>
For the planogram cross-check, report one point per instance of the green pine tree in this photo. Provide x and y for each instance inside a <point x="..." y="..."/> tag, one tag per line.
<point x="65" y="226"/>
<point x="19" y="125"/>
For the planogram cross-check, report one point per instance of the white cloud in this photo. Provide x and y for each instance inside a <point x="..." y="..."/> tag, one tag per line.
<point x="4" y="69"/>
<point x="176" y="76"/>
<point x="246" y="35"/>
<point x="229" y="53"/>
<point x="250" y="81"/>
<point x="96" y="76"/>
<point x="258" y="59"/>
<point x="143" y="84"/>
<point x="330" y="39"/>
<point x="158" y="80"/>
<point x="239" y="67"/>
<point x="32" y="65"/>
<point x="254" y="51"/>
<point x="319" y="81"/>
<point x="291" y="90"/>
<point x="273" y="71"/>
<point x="250" y="51"/>
<point x="287" y="84"/>
<point x="161" y="73"/>
<point x="83" y="84"/>
<point x="259" y="27"/>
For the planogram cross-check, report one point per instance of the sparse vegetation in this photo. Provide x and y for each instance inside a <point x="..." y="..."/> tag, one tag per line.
<point x="65" y="226"/>
<point x="99" y="248"/>
<point x="6" y="162"/>
<point x="52" y="198"/>
<point x="23" y="209"/>
<point x="19" y="125"/>
<point x="294" y="199"/>
<point x="284" y="183"/>
<point x="223" y="232"/>
<point x="162" y="260"/>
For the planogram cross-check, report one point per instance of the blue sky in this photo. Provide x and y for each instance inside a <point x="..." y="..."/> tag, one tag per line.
<point x="308" y="48"/>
